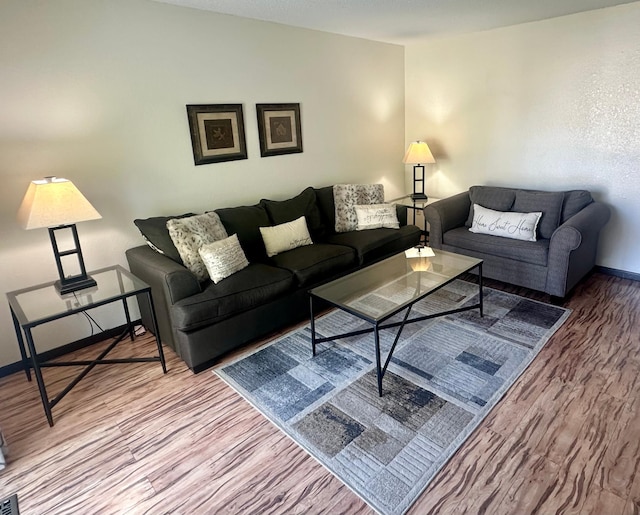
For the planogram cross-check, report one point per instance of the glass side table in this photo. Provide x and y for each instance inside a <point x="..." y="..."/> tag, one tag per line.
<point x="40" y="304"/>
<point x="415" y="206"/>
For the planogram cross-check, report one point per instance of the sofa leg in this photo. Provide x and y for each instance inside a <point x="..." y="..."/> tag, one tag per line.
<point x="557" y="301"/>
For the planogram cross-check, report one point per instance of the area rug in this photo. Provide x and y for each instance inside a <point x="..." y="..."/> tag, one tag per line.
<point x="445" y="376"/>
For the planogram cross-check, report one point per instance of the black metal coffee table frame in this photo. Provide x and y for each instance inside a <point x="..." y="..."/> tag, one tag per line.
<point x="378" y="324"/>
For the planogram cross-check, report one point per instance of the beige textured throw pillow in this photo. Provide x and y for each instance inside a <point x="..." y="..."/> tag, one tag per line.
<point x="287" y="236"/>
<point x="223" y="258"/>
<point x="375" y="216"/>
<point x="518" y="226"/>
<point x="189" y="234"/>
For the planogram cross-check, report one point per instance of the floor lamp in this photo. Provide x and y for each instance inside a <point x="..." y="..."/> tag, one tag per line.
<point x="418" y="154"/>
<point x="57" y="204"/>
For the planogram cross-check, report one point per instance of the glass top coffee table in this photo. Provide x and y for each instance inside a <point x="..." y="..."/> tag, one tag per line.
<point x="380" y="291"/>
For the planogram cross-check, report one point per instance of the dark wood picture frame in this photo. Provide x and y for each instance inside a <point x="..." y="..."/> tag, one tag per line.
<point x="217" y="132"/>
<point x="279" y="128"/>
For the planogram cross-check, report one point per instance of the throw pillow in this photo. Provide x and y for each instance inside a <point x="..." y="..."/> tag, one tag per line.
<point x="548" y="202"/>
<point x="519" y="226"/>
<point x="375" y="216"/>
<point x="492" y="197"/>
<point x="223" y="258"/>
<point x="155" y="233"/>
<point x="304" y="204"/>
<point x="189" y="234"/>
<point x="287" y="236"/>
<point x="347" y="196"/>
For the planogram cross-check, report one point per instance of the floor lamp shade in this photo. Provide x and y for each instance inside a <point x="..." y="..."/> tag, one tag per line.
<point x="55" y="203"/>
<point x="418" y="154"/>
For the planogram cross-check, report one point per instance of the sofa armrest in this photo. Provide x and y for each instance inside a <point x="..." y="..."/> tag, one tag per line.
<point x="401" y="212"/>
<point x="573" y="248"/>
<point x="169" y="281"/>
<point x="446" y="214"/>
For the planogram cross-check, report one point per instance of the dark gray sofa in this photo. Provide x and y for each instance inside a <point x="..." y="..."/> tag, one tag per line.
<point x="565" y="250"/>
<point x="202" y="321"/>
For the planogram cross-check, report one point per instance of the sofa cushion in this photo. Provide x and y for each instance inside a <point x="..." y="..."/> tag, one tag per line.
<point x="304" y="204"/>
<point x="377" y="243"/>
<point x="574" y="201"/>
<point x="191" y="233"/>
<point x="223" y="258"/>
<point x="491" y="197"/>
<point x="375" y="216"/>
<point x="549" y="203"/>
<point x="347" y="196"/>
<point x="286" y="236"/>
<point x="249" y="288"/>
<point x="327" y="207"/>
<point x="534" y="252"/>
<point x="313" y="263"/>
<point x="245" y="221"/>
<point x="155" y="233"/>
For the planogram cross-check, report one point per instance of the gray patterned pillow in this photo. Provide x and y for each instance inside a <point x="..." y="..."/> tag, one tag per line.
<point x="347" y="196"/>
<point x="189" y="234"/>
<point x="223" y="258"/>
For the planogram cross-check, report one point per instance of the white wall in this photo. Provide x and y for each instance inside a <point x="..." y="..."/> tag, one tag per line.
<point x="550" y="105"/>
<point x="95" y="91"/>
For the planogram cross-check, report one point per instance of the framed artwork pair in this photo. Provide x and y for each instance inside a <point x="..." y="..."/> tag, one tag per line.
<point x="217" y="131"/>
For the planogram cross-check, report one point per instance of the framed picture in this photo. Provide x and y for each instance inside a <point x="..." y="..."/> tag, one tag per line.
<point x="279" y="129"/>
<point x="217" y="132"/>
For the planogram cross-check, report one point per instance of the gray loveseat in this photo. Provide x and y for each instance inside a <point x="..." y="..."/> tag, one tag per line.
<point x="563" y="253"/>
<point x="202" y="321"/>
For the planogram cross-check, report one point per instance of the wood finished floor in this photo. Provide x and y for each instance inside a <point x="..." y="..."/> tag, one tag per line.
<point x="127" y="439"/>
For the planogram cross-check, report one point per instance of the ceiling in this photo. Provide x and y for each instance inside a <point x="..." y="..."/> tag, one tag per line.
<point x="398" y="21"/>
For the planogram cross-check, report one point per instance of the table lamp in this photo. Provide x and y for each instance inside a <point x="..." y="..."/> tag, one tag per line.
<point x="418" y="154"/>
<point x="57" y="204"/>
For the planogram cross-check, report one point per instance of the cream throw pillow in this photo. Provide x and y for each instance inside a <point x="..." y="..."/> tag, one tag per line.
<point x="191" y="233"/>
<point x="375" y="216"/>
<point x="223" y="258"/>
<point x="518" y="226"/>
<point x="287" y="236"/>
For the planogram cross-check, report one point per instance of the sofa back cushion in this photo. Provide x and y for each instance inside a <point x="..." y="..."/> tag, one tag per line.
<point x="304" y="204"/>
<point x="245" y="221"/>
<point x="491" y="197"/>
<point x="574" y="201"/>
<point x="155" y="233"/>
<point x="327" y="208"/>
<point x="549" y="203"/>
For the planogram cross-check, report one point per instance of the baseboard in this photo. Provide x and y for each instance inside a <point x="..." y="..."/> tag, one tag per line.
<point x="12" y="368"/>
<point x="618" y="273"/>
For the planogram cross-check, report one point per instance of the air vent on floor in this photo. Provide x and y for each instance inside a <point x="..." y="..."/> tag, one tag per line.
<point x="9" y="506"/>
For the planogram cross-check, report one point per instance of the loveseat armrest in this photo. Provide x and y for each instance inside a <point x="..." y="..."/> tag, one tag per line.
<point x="573" y="248"/>
<point x="169" y="281"/>
<point x="446" y="214"/>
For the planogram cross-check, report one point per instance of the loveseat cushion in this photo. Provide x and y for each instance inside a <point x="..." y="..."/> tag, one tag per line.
<point x="250" y="287"/>
<point x="374" y="244"/>
<point x="312" y="263"/>
<point x="534" y="252"/>
<point x="491" y="197"/>
<point x="549" y="203"/>
<point x="245" y="221"/>
<point x="574" y="202"/>
<point x="304" y="204"/>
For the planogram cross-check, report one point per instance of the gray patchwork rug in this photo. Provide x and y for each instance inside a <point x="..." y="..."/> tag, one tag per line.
<point x="445" y="376"/>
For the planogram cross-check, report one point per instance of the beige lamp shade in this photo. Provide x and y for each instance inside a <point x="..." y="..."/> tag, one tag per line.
<point x="418" y="153"/>
<point x="53" y="201"/>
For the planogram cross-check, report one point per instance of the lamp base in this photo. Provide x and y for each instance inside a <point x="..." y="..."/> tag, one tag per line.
<point x="72" y="284"/>
<point x="418" y="196"/>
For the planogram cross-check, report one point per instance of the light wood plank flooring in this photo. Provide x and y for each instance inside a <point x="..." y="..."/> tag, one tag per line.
<point x="127" y="439"/>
